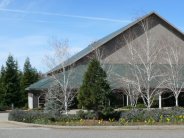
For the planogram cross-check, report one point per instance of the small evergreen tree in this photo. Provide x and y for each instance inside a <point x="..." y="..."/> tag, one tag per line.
<point x="2" y="90"/>
<point x="11" y="83"/>
<point x="29" y="76"/>
<point x="95" y="90"/>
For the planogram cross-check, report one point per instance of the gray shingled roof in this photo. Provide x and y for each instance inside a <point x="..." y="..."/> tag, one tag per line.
<point x="102" y="41"/>
<point x="76" y="79"/>
<point x="46" y="82"/>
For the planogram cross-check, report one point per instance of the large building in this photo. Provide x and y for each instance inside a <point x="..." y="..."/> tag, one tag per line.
<point x="115" y="47"/>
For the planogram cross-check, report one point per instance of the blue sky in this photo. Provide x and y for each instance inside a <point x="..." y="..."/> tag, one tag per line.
<point x="26" y="26"/>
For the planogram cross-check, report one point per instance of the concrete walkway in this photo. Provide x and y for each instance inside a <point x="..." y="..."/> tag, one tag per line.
<point x="4" y="123"/>
<point x="138" y="127"/>
<point x="3" y="117"/>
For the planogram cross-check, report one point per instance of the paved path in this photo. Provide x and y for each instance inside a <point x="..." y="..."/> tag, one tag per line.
<point x="4" y="122"/>
<point x="71" y="133"/>
<point x="11" y="130"/>
<point x="3" y="117"/>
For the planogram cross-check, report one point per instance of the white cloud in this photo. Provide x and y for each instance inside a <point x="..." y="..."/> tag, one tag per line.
<point x="4" y="3"/>
<point x="64" y="15"/>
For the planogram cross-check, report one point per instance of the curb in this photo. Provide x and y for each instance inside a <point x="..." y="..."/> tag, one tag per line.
<point x="140" y="127"/>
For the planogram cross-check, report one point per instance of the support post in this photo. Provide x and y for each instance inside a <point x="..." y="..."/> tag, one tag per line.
<point x="127" y="100"/>
<point x="123" y="100"/>
<point x="30" y="100"/>
<point x="160" y="101"/>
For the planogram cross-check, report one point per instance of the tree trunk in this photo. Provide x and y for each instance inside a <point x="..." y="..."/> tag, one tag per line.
<point x="176" y="101"/>
<point x="66" y="106"/>
<point x="148" y="104"/>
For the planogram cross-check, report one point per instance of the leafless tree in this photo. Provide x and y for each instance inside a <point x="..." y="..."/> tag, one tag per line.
<point x="61" y="90"/>
<point x="146" y="76"/>
<point x="174" y="65"/>
<point x="100" y="56"/>
<point x="131" y="91"/>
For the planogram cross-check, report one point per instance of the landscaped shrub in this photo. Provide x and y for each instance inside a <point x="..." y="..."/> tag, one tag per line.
<point x="105" y="114"/>
<point x="140" y="106"/>
<point x="68" y="118"/>
<point x="86" y="115"/>
<point x="90" y="115"/>
<point x="26" y="116"/>
<point x="81" y="114"/>
<point x="140" y="115"/>
<point x="149" y="117"/>
<point x="39" y="117"/>
<point x="109" y="113"/>
<point x="41" y="121"/>
<point x="153" y="115"/>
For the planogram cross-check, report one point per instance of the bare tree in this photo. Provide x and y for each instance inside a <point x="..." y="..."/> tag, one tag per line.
<point x="131" y="91"/>
<point x="175" y="67"/>
<point x="61" y="91"/>
<point x="100" y="56"/>
<point x="146" y="76"/>
<point x="54" y="100"/>
<point x="113" y="77"/>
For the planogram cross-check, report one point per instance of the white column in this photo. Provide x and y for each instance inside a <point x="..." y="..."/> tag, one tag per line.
<point x="30" y="100"/>
<point x="160" y="101"/>
<point x="127" y="100"/>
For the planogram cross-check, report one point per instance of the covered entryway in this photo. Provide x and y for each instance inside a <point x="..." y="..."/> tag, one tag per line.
<point x="36" y="99"/>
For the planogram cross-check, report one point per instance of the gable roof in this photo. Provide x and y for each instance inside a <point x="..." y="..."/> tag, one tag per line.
<point x="107" y="38"/>
<point x="46" y="82"/>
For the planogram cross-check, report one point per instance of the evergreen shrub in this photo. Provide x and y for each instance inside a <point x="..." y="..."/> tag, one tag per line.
<point x="140" y="115"/>
<point x="39" y="116"/>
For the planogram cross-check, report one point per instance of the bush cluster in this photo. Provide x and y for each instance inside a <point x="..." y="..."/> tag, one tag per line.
<point x="111" y="115"/>
<point x="26" y="116"/>
<point x="156" y="115"/>
<point x="105" y="114"/>
<point x="85" y="115"/>
<point x="172" y="115"/>
<point x="39" y="117"/>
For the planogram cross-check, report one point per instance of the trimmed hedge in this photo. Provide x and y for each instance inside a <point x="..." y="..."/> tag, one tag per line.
<point x="25" y="116"/>
<point x="41" y="117"/>
<point x="38" y="116"/>
<point x="171" y="115"/>
<point x="85" y="115"/>
<point x="140" y="115"/>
